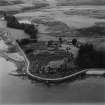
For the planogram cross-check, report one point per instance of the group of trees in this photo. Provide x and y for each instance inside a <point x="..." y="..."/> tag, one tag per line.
<point x="28" y="28"/>
<point x="89" y="57"/>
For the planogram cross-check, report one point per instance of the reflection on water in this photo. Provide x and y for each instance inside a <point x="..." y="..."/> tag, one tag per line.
<point x="21" y="90"/>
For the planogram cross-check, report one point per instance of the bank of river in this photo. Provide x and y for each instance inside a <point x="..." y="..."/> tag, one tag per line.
<point x="18" y="90"/>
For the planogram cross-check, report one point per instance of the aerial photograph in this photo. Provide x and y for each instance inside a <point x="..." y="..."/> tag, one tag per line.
<point x="52" y="52"/>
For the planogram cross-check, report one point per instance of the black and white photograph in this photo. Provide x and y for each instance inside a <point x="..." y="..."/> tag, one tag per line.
<point x="52" y="52"/>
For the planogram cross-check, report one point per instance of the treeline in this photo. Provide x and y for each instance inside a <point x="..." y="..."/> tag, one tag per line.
<point x="89" y="57"/>
<point x="30" y="29"/>
<point x="92" y="31"/>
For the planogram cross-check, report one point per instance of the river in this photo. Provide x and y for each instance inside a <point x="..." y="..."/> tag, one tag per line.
<point x="19" y="90"/>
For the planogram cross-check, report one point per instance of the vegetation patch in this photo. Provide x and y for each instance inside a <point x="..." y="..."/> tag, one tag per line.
<point x="89" y="57"/>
